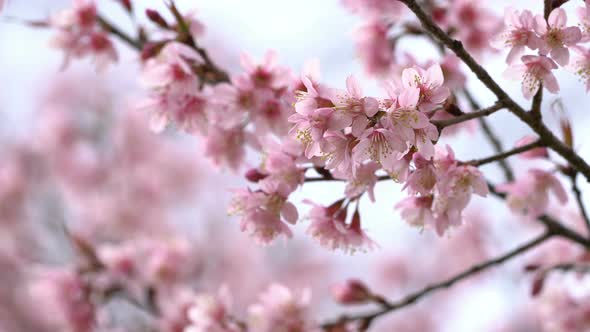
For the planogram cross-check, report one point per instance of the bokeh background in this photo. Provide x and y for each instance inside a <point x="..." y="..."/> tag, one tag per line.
<point x="299" y="31"/>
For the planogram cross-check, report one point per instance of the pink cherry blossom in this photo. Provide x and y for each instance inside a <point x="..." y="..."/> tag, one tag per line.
<point x="175" y="94"/>
<point x="337" y="151"/>
<point x="314" y="116"/>
<point x="454" y="76"/>
<point x="380" y="145"/>
<point x="173" y="310"/>
<point x="519" y="33"/>
<point x="453" y="193"/>
<point x="584" y="17"/>
<point x="283" y="174"/>
<point x="417" y="211"/>
<point x="534" y="71"/>
<point x="328" y="226"/>
<point x="355" y="105"/>
<point x="423" y="179"/>
<point x="268" y="74"/>
<point x="280" y="310"/>
<point x="375" y="8"/>
<point x="424" y="138"/>
<point x="234" y="100"/>
<point x="540" y="152"/>
<point x="65" y="297"/>
<point x="79" y="35"/>
<point x="429" y="82"/>
<point x="555" y="36"/>
<point x="567" y="294"/>
<point x="196" y="26"/>
<point x="580" y="65"/>
<point x="374" y="47"/>
<point x="529" y="194"/>
<point x="401" y="168"/>
<point x="146" y="261"/>
<point x="210" y="313"/>
<point x="310" y="128"/>
<point x="351" y="291"/>
<point x="445" y="189"/>
<point x="226" y="147"/>
<point x="475" y="24"/>
<point x="272" y="114"/>
<point x="411" y="125"/>
<point x="364" y="180"/>
<point x="404" y="117"/>
<point x="262" y="214"/>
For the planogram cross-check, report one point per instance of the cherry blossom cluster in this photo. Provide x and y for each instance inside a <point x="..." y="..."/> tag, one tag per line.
<point x="90" y="169"/>
<point x="553" y="40"/>
<point x="442" y="188"/>
<point x="229" y="116"/>
<point x="79" y="35"/>
<point x="352" y="137"/>
<point x="384" y="24"/>
<point x="529" y="194"/>
<point x="278" y="309"/>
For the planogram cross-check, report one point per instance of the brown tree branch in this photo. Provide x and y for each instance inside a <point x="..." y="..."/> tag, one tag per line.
<point x="547" y="8"/>
<point x="441" y="124"/>
<point x="457" y="47"/>
<point x="414" y="297"/>
<point x="537" y="101"/>
<point x="491" y="136"/>
<point x="504" y="155"/>
<point x="552" y="228"/>
<point x="110" y="28"/>
<point x="552" y="224"/>
<point x="579" y="201"/>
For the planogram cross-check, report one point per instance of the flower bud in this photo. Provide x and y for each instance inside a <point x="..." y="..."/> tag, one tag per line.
<point x="155" y="17"/>
<point x="127" y="4"/>
<point x="352" y="291"/>
<point x="150" y="50"/>
<point x="254" y="175"/>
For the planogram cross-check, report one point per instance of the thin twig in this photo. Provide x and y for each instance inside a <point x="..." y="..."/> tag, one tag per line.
<point x="581" y="205"/>
<point x="552" y="224"/>
<point x="504" y="155"/>
<point x="568" y="267"/>
<point x="440" y="124"/>
<point x="328" y="179"/>
<point x="537" y="101"/>
<point x="547" y="8"/>
<point x="491" y="136"/>
<point x="105" y="24"/>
